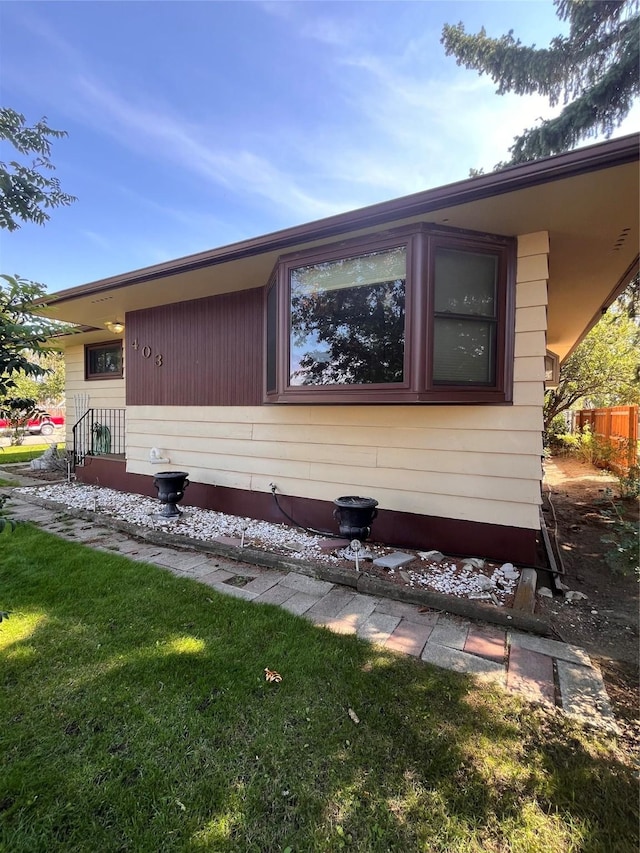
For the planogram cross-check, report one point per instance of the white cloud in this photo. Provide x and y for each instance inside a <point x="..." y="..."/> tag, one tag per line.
<point x="170" y="137"/>
<point x="431" y="131"/>
<point x="400" y="123"/>
<point x="97" y="239"/>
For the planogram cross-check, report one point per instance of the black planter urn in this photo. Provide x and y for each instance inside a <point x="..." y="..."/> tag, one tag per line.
<point x="171" y="486"/>
<point x="355" y="516"/>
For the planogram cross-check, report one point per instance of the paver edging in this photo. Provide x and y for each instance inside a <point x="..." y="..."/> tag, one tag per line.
<point x="451" y="604"/>
<point x="335" y="574"/>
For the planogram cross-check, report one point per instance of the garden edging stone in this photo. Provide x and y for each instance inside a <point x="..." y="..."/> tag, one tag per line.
<point x="361" y="582"/>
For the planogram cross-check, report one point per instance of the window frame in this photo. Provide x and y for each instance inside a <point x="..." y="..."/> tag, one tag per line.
<point x="421" y="242"/>
<point x="98" y="377"/>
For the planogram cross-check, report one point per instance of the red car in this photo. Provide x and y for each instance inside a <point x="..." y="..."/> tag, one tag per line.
<point x="42" y="424"/>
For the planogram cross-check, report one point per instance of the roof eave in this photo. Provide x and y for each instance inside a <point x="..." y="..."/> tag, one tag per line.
<point x="590" y="159"/>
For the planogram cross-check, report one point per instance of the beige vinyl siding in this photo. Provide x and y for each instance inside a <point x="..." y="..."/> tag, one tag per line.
<point x="439" y="471"/>
<point x="531" y="321"/>
<point x="476" y="463"/>
<point x="103" y="393"/>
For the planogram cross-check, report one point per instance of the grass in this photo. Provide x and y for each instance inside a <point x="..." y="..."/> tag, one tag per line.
<point x="135" y="716"/>
<point x="9" y="455"/>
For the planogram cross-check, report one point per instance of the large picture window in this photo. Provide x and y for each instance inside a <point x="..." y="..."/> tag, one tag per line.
<point x="347" y="322"/>
<point x="422" y="315"/>
<point x="103" y="361"/>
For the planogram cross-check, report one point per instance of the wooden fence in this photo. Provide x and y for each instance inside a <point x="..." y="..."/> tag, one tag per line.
<point x="617" y="427"/>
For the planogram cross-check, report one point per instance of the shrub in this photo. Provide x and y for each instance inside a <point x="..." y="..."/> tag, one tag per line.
<point x="630" y="483"/>
<point x="623" y="555"/>
<point x="555" y="433"/>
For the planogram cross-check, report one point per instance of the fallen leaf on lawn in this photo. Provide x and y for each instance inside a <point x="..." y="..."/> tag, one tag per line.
<point x="353" y="715"/>
<point x="272" y="675"/>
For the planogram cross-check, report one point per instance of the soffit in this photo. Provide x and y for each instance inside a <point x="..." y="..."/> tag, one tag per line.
<point x="585" y="216"/>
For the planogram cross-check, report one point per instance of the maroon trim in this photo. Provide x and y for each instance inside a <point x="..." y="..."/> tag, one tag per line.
<point x="421" y="241"/>
<point x="603" y="155"/>
<point x="400" y="529"/>
<point x="99" y="377"/>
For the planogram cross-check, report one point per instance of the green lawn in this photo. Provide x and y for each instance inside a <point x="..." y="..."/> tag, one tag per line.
<point x="9" y="455"/>
<point x="135" y="716"/>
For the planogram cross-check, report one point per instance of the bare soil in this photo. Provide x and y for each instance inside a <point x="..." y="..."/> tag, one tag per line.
<point x="25" y="471"/>
<point x="578" y="511"/>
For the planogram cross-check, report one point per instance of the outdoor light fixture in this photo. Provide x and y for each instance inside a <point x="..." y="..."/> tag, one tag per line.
<point x="117" y="328"/>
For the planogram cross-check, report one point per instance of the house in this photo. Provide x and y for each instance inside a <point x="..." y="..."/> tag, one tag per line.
<point x="398" y="352"/>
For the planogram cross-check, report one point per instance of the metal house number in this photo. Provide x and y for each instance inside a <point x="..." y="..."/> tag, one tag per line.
<point x="147" y="352"/>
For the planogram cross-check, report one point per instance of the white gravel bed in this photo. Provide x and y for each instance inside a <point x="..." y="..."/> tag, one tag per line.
<point x="471" y="578"/>
<point x="463" y="579"/>
<point x="194" y="523"/>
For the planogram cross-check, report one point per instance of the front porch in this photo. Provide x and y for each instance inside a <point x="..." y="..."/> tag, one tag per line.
<point x="99" y="433"/>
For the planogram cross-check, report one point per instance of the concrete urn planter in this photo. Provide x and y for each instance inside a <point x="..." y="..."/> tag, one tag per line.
<point x="355" y="516"/>
<point x="171" y="486"/>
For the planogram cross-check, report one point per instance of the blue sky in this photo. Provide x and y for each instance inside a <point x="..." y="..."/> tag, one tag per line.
<point x="196" y="124"/>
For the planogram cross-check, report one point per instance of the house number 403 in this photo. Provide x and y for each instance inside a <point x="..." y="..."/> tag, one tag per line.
<point x="147" y="352"/>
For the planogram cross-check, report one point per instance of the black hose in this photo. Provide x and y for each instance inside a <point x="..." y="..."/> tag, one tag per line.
<point x="339" y="536"/>
<point x="301" y="526"/>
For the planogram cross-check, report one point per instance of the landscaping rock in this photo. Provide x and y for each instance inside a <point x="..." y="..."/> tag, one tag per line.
<point x="574" y="595"/>
<point x="394" y="560"/>
<point x="434" y="556"/>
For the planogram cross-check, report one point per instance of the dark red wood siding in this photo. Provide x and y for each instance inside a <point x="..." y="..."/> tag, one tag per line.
<point x="204" y="352"/>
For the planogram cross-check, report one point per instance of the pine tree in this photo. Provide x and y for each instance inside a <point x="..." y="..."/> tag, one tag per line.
<point x="595" y="70"/>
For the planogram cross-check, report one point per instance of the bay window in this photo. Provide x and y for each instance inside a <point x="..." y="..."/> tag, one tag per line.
<point x="419" y="314"/>
<point x="347" y="320"/>
<point x="464" y="312"/>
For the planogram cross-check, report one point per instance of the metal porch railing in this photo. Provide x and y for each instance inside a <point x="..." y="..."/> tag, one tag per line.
<point x="99" y="432"/>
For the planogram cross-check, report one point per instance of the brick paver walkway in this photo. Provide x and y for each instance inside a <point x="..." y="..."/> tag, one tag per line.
<point x="539" y="669"/>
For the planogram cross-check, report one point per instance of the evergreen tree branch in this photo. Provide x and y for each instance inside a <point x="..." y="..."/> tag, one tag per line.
<point x="595" y="70"/>
<point x="601" y="108"/>
<point x="513" y="66"/>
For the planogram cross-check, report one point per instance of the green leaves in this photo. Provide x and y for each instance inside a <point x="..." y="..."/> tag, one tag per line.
<point x="25" y="190"/>
<point x="20" y="331"/>
<point x="602" y="369"/>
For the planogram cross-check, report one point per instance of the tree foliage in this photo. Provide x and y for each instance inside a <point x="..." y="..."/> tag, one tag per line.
<point x="21" y="333"/>
<point x="26" y="190"/>
<point x="603" y="370"/>
<point x="25" y="194"/>
<point x="595" y="71"/>
<point x="48" y="388"/>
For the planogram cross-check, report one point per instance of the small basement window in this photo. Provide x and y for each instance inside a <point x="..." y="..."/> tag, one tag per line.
<point x="422" y="314"/>
<point x="103" y="361"/>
